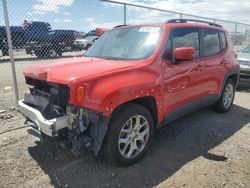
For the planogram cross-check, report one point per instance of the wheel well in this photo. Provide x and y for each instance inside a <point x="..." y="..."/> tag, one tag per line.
<point x="148" y="102"/>
<point x="234" y="78"/>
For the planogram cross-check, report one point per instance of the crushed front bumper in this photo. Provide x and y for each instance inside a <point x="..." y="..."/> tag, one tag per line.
<point x="48" y="127"/>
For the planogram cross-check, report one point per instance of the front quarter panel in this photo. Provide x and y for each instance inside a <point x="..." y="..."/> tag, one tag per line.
<point x="108" y="92"/>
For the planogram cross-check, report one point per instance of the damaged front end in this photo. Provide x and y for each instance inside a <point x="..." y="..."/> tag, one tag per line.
<point x="47" y="111"/>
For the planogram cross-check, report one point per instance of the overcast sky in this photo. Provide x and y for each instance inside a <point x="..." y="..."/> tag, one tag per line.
<point x="84" y="15"/>
<point x="234" y="10"/>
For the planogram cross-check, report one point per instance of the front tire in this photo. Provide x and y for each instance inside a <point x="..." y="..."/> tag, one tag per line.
<point x="225" y="102"/>
<point x="129" y="136"/>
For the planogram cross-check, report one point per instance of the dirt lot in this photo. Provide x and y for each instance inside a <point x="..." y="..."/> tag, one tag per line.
<point x="203" y="149"/>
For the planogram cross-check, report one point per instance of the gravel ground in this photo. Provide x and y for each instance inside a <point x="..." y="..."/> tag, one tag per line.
<point x="203" y="149"/>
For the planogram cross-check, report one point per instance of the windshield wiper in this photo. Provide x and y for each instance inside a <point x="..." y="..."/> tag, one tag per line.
<point x="105" y="57"/>
<point x="112" y="58"/>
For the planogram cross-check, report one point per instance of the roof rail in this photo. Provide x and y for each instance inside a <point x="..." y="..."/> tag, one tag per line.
<point x="192" y="20"/>
<point x="120" y="26"/>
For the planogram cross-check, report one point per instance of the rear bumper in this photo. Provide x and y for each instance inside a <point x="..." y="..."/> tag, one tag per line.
<point x="48" y="127"/>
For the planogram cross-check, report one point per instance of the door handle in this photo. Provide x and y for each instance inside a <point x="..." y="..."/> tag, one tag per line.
<point x="197" y="68"/>
<point x="201" y="68"/>
<point x="223" y="62"/>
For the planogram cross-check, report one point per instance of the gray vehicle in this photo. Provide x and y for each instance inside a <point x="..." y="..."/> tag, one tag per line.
<point x="86" y="42"/>
<point x="244" y="61"/>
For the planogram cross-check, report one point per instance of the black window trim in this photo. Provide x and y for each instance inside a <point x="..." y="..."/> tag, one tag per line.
<point x="201" y="42"/>
<point x="170" y="37"/>
<point x="222" y="34"/>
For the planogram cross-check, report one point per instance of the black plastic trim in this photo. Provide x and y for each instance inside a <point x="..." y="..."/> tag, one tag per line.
<point x="192" y="20"/>
<point x="188" y="108"/>
<point x="230" y="73"/>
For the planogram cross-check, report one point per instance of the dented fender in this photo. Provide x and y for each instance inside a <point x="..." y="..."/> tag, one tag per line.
<point x="110" y="91"/>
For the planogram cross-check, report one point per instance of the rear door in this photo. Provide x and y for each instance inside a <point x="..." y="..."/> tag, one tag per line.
<point x="214" y="49"/>
<point x="183" y="82"/>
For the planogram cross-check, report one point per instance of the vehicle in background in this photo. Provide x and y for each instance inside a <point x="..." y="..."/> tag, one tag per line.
<point x="90" y="33"/>
<point x="82" y="33"/>
<point x="38" y="38"/>
<point x="133" y="80"/>
<point x="90" y="37"/>
<point x="38" y="32"/>
<point x="244" y="61"/>
<point x="68" y="38"/>
<point x="3" y="41"/>
<point x="86" y="42"/>
<point x="44" y="42"/>
<point x="100" y="31"/>
<point x="18" y="39"/>
<point x="96" y="32"/>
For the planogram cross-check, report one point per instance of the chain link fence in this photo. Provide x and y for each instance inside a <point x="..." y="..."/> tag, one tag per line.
<point x="47" y="31"/>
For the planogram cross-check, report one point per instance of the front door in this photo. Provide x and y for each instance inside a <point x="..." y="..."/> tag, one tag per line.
<point x="183" y="82"/>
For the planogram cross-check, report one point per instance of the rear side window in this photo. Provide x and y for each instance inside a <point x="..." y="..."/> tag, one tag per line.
<point x="211" y="42"/>
<point x="186" y="37"/>
<point x="223" y="40"/>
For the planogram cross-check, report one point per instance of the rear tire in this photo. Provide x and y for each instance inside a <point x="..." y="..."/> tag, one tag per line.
<point x="129" y="135"/>
<point x="225" y="102"/>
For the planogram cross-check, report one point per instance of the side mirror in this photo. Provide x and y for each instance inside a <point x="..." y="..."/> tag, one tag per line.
<point x="183" y="54"/>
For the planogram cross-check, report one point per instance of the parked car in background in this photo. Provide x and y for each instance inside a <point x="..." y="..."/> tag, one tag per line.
<point x="3" y="41"/>
<point x="244" y="61"/>
<point x="36" y="31"/>
<point x="96" y="32"/>
<point x="45" y="42"/>
<point x="82" y="33"/>
<point x="68" y="38"/>
<point x="100" y="31"/>
<point x="133" y="80"/>
<point x="86" y="42"/>
<point x="90" y="33"/>
<point x="38" y="38"/>
<point x="90" y="37"/>
<point x="18" y="39"/>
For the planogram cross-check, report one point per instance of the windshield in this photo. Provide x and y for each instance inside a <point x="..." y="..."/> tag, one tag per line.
<point x="246" y="49"/>
<point x="132" y="43"/>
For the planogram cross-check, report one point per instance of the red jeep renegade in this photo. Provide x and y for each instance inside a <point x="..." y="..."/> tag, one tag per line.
<point x="130" y="82"/>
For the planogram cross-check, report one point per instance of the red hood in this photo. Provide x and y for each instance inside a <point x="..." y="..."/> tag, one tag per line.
<point x="66" y="71"/>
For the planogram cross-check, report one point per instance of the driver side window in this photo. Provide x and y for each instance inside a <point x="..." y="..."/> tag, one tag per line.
<point x="183" y="37"/>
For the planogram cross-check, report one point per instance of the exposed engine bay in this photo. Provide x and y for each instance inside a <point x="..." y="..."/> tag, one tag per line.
<point x="76" y="128"/>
